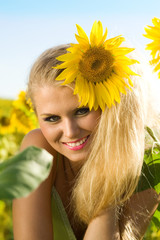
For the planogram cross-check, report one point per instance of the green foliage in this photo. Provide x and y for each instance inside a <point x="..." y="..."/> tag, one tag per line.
<point x="150" y="177"/>
<point x="5" y="221"/>
<point x="23" y="173"/>
<point x="9" y="145"/>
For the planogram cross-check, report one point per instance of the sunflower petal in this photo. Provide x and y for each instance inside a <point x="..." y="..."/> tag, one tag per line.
<point x="82" y="41"/>
<point x="70" y="78"/>
<point x="66" y="57"/>
<point x="66" y="73"/>
<point x="92" y="96"/>
<point x="93" y="34"/>
<point x="98" y="96"/>
<point x="99" y="30"/>
<point x="116" y="91"/>
<point x="110" y="90"/>
<point x="82" y="33"/>
<point x="105" y="95"/>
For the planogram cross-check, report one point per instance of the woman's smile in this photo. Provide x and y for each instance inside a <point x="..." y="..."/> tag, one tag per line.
<point x="77" y="145"/>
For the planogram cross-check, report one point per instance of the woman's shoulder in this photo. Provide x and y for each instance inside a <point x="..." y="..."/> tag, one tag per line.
<point x="37" y="139"/>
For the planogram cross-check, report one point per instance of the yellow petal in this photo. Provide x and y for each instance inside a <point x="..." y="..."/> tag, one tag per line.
<point x="114" y="42"/>
<point x="82" y="33"/>
<point x="156" y="22"/>
<point x="103" y="38"/>
<point x="99" y="30"/>
<point x="123" y="60"/>
<point x="152" y="33"/>
<point x="105" y="95"/>
<point x="123" y="51"/>
<point x="66" y="57"/>
<point x="155" y="61"/>
<point x="75" y="49"/>
<point x="66" y="73"/>
<point x="82" y="41"/>
<point x="92" y="96"/>
<point x="110" y="90"/>
<point x="85" y="96"/>
<point x="79" y="86"/>
<point x="70" y="78"/>
<point x="68" y="64"/>
<point x="98" y="96"/>
<point x="120" y="83"/>
<point x="157" y="67"/>
<point x="116" y="91"/>
<point x="93" y="34"/>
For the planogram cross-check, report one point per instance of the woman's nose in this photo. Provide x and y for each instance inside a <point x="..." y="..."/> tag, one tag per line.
<point x="71" y="128"/>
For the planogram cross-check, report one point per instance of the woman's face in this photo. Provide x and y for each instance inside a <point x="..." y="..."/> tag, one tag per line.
<point x="66" y="127"/>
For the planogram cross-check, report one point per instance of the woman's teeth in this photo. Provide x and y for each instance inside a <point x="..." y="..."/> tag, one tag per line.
<point x="77" y="143"/>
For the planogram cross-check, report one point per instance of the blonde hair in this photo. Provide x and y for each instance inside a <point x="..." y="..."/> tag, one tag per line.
<point x="111" y="173"/>
<point x="42" y="71"/>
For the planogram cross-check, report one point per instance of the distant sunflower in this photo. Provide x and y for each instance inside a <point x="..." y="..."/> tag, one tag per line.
<point x="98" y="66"/>
<point x="23" y="119"/>
<point x="21" y="122"/>
<point x="5" y="125"/>
<point x="22" y="103"/>
<point x="153" y="33"/>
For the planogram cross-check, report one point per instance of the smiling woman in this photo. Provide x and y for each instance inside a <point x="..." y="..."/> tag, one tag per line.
<point x="97" y="141"/>
<point x="63" y="123"/>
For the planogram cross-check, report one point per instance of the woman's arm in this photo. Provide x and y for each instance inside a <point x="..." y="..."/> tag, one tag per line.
<point x="104" y="227"/>
<point x="32" y="217"/>
<point x="133" y="222"/>
<point x="138" y="212"/>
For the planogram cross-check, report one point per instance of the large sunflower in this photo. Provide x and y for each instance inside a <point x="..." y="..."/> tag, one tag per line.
<point x="153" y="33"/>
<point x="98" y="66"/>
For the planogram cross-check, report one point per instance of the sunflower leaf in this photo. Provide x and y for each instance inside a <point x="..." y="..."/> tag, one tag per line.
<point x="150" y="177"/>
<point x="23" y="173"/>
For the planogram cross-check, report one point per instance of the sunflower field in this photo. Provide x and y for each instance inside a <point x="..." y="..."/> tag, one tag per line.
<point x="16" y="119"/>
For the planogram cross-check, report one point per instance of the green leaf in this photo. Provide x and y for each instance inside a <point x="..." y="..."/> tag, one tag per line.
<point x="150" y="177"/>
<point x="23" y="173"/>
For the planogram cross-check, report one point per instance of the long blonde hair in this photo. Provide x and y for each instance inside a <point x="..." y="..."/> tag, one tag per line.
<point x="112" y="170"/>
<point x="111" y="173"/>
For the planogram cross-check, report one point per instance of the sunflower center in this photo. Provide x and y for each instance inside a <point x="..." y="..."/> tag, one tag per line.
<point x="4" y="121"/>
<point x="96" y="64"/>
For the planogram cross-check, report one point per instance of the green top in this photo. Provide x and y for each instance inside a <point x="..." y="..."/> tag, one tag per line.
<point x="61" y="224"/>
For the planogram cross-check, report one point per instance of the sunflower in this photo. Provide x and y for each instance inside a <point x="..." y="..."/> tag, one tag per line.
<point x="153" y="33"/>
<point x="21" y="122"/>
<point x="6" y="126"/>
<point x="22" y="103"/>
<point x="22" y="118"/>
<point x="98" y="66"/>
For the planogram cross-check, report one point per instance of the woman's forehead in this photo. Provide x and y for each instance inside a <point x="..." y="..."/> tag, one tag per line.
<point x="53" y="97"/>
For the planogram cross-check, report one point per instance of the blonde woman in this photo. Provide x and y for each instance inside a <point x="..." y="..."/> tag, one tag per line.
<point x="96" y="136"/>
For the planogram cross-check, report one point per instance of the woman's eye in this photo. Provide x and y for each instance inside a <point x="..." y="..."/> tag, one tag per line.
<point x="52" y="119"/>
<point x="82" y="111"/>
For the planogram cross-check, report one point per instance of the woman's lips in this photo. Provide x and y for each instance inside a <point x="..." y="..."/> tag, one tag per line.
<point x="77" y="145"/>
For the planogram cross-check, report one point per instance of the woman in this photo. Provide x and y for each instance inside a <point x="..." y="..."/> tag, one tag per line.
<point x="92" y="110"/>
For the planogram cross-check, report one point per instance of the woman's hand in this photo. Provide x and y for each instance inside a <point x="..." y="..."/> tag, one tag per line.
<point x="138" y="212"/>
<point x="103" y="227"/>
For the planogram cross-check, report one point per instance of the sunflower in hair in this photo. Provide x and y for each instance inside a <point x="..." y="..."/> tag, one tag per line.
<point x="98" y="66"/>
<point x="153" y="33"/>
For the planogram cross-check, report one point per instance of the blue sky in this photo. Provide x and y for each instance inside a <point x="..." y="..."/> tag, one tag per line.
<point x="29" y="27"/>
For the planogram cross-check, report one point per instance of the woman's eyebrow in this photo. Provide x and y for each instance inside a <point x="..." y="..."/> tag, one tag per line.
<point x="52" y="114"/>
<point x="47" y="114"/>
